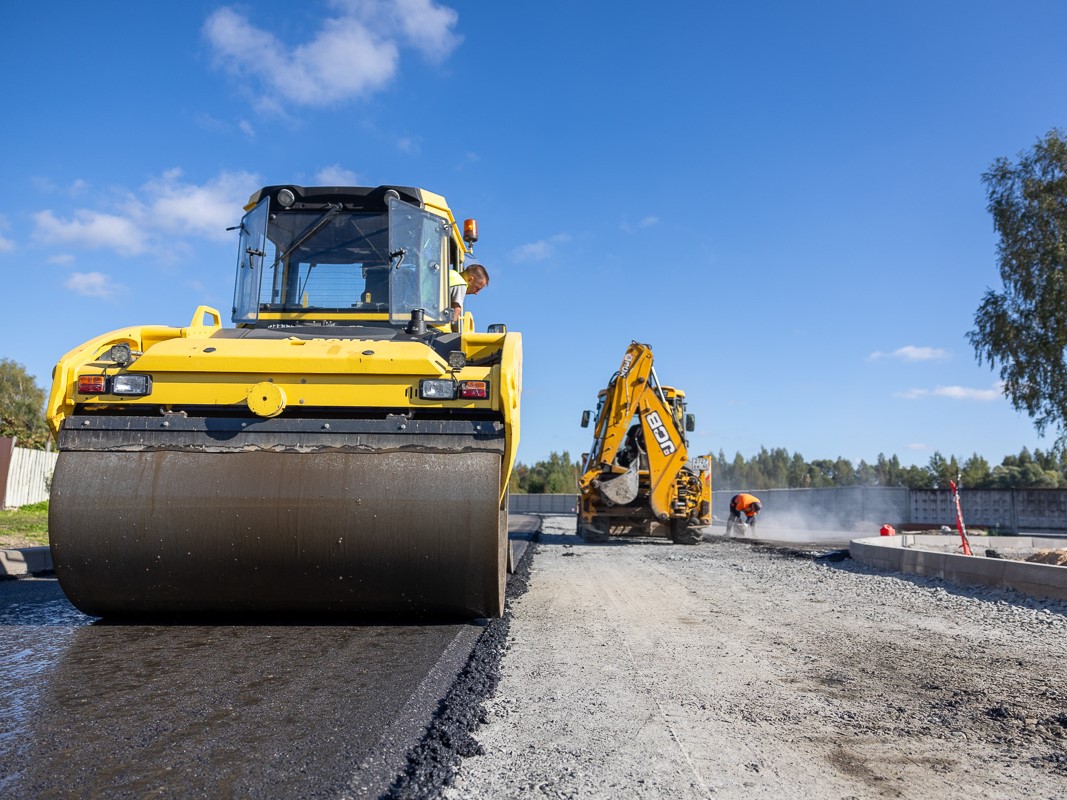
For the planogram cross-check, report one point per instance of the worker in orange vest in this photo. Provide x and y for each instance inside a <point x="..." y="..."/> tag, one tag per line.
<point x="747" y="504"/>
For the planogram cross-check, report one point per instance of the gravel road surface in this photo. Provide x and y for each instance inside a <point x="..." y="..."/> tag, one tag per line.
<point x="729" y="670"/>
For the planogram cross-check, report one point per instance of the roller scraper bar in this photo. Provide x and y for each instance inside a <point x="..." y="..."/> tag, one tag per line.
<point x="178" y="432"/>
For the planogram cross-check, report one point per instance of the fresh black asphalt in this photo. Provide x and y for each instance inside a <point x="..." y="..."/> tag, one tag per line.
<point x="296" y="710"/>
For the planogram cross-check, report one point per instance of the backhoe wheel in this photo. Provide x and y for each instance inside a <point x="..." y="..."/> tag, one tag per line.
<point x="681" y="533"/>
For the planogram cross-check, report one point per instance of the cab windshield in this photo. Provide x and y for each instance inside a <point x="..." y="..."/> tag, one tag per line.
<point x="331" y="262"/>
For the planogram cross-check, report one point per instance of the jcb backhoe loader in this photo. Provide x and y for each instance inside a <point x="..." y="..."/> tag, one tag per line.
<point x="638" y="478"/>
<point x="340" y="449"/>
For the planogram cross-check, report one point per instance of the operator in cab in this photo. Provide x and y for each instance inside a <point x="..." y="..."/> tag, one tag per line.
<point x="460" y="284"/>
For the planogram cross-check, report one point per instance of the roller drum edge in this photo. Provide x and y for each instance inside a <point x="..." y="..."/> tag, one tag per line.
<point x="162" y="532"/>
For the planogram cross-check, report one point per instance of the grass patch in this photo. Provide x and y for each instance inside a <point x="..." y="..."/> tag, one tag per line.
<point x="24" y="527"/>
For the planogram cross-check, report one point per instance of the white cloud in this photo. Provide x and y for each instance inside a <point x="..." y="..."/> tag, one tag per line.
<point x="917" y="446"/>
<point x="540" y="250"/>
<point x="423" y="24"/>
<point x="164" y="206"/>
<point x="213" y="124"/>
<point x="336" y="175"/>
<point x="912" y="394"/>
<point x="645" y="222"/>
<point x="966" y="393"/>
<point x="912" y="353"/>
<point x="91" y="230"/>
<point x="61" y="259"/>
<point x="6" y="245"/>
<point x="429" y="27"/>
<point x="956" y="393"/>
<point x="203" y="210"/>
<point x="206" y="122"/>
<point x="91" y="284"/>
<point x="351" y="56"/>
<point x="43" y="185"/>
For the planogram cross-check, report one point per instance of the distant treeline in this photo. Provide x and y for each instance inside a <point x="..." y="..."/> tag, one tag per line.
<point x="778" y="469"/>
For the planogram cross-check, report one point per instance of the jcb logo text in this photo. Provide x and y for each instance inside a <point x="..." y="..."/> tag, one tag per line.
<point x="659" y="432"/>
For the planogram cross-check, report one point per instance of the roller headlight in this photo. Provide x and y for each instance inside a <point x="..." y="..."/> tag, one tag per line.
<point x="131" y="384"/>
<point x="436" y="389"/>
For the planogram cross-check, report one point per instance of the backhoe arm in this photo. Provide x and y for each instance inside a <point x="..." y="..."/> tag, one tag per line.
<point x="633" y="391"/>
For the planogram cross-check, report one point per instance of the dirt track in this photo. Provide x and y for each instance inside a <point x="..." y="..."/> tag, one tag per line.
<point x="725" y="670"/>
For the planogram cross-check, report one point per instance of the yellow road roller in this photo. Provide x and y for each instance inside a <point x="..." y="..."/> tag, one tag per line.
<point x="344" y="448"/>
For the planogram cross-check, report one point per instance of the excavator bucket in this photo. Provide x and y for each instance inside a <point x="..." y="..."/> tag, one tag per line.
<point x="620" y="489"/>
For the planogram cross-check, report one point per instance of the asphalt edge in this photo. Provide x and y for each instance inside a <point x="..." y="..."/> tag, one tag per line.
<point x="432" y="763"/>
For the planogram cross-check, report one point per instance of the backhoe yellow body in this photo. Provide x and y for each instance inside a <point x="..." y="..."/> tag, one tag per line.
<point x="638" y="477"/>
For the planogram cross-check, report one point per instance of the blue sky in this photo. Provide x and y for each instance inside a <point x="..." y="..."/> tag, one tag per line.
<point x="783" y="199"/>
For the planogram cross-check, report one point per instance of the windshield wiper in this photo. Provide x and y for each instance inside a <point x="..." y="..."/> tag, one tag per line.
<point x="316" y="226"/>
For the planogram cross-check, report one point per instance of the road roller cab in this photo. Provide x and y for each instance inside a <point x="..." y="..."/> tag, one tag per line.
<point x="340" y="449"/>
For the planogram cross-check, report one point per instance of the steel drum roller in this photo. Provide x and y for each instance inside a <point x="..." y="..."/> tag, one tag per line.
<point x="158" y="531"/>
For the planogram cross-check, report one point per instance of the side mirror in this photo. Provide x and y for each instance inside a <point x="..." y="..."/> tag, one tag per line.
<point x="585" y="419"/>
<point x="690" y="422"/>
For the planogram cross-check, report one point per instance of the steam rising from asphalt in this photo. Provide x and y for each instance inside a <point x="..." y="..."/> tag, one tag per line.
<point x="798" y="526"/>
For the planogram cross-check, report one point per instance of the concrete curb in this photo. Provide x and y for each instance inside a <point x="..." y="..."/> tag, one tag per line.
<point x="906" y="554"/>
<point x="19" y="561"/>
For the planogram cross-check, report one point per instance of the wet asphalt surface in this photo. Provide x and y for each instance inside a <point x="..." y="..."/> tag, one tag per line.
<point x="300" y="710"/>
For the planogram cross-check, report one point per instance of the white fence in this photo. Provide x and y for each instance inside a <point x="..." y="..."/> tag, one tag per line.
<point x="24" y="474"/>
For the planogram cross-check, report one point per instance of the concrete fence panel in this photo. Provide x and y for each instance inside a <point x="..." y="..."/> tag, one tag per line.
<point x="1040" y="509"/>
<point x="543" y="504"/>
<point x="1004" y="510"/>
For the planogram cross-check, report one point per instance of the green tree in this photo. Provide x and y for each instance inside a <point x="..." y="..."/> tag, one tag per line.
<point x="975" y="473"/>
<point x="1023" y="328"/>
<point x="866" y="475"/>
<point x="820" y="473"/>
<point x="844" y="472"/>
<point x="915" y="477"/>
<point x="21" y="406"/>
<point x="941" y="471"/>
<point x="888" y="471"/>
<point x="557" y="475"/>
<point x="798" y="472"/>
